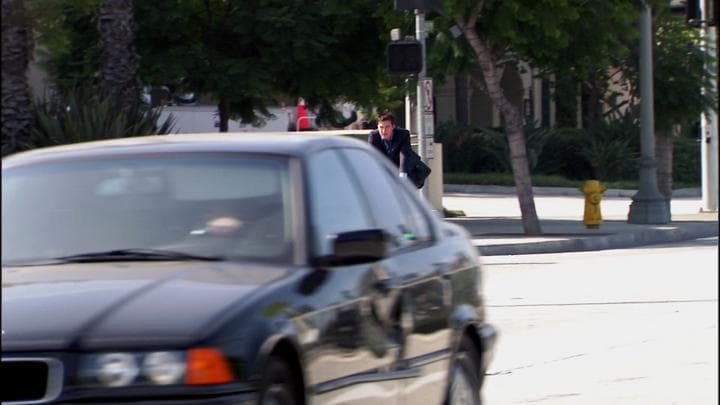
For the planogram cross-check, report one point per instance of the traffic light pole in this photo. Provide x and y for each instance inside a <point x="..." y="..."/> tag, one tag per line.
<point x="420" y="36"/>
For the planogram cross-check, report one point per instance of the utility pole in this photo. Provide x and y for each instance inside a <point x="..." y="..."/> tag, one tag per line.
<point x="709" y="120"/>
<point x="422" y="142"/>
<point x="648" y="206"/>
<point x="408" y="106"/>
<point x="424" y="108"/>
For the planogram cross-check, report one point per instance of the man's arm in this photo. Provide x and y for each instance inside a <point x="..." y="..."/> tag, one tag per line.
<point x="407" y="154"/>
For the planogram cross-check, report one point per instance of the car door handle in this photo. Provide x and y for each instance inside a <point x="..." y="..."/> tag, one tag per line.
<point x="382" y="281"/>
<point x="383" y="286"/>
<point x="441" y="269"/>
<point x="407" y="320"/>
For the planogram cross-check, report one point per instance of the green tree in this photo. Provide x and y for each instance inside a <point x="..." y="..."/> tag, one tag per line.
<point x="573" y="39"/>
<point x="17" y="49"/>
<point x="84" y="114"/>
<point x="600" y="41"/>
<point x="250" y="55"/>
<point x="87" y="49"/>
<point x="682" y="70"/>
<point x="496" y="31"/>
<point x="68" y="37"/>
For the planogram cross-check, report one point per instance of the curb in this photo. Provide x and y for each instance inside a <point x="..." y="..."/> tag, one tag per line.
<point x="616" y="241"/>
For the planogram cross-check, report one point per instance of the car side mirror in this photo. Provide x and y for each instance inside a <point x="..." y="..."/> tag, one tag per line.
<point x="365" y="246"/>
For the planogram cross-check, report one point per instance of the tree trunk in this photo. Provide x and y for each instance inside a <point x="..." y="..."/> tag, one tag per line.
<point x="664" y="158"/>
<point x="513" y="128"/>
<point x="17" y="48"/>
<point x="223" y="114"/>
<point x="118" y="60"/>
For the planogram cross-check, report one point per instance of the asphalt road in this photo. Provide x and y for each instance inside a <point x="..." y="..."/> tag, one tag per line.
<point x="632" y="326"/>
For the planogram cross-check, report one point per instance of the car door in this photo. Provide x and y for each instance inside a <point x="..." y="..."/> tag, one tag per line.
<point x="416" y="272"/>
<point x="352" y="359"/>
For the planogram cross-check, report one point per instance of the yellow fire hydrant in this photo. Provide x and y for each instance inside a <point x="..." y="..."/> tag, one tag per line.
<point x="593" y="190"/>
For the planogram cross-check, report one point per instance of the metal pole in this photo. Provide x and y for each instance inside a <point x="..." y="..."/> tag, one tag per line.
<point x="408" y="106"/>
<point x="709" y="121"/>
<point x="420" y="36"/>
<point x="648" y="206"/>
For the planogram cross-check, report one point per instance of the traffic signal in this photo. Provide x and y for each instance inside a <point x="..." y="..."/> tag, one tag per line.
<point x="423" y="5"/>
<point x="692" y="11"/>
<point x="404" y="57"/>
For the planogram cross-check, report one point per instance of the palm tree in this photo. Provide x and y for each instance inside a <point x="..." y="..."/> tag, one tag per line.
<point x="118" y="59"/>
<point x="17" y="48"/>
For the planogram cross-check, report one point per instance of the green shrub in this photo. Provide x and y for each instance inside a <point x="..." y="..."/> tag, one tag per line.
<point x="82" y="115"/>
<point x="609" y="152"/>
<point x="538" y="180"/>
<point x="562" y="155"/>
<point x="686" y="160"/>
<point x="485" y="149"/>
<point x="610" y="157"/>
<point x="497" y="145"/>
<point x="612" y="148"/>
<point x="468" y="150"/>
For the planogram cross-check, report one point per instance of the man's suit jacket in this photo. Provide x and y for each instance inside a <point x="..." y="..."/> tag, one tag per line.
<point x="400" y="151"/>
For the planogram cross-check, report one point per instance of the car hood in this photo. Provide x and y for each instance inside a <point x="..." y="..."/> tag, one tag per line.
<point x="110" y="304"/>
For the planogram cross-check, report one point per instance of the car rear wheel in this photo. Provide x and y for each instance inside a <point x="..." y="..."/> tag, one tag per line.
<point x="277" y="384"/>
<point x="464" y="387"/>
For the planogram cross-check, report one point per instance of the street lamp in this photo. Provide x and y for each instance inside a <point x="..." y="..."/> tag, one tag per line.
<point x="648" y="206"/>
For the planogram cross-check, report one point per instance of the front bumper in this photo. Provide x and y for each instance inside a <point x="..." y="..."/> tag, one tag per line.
<point x="225" y="400"/>
<point x="233" y="393"/>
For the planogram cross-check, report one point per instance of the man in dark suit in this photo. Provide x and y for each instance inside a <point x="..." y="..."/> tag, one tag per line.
<point x="394" y="143"/>
<point x="391" y="141"/>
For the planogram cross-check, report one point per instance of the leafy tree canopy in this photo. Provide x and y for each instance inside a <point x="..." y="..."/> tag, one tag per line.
<point x="250" y="54"/>
<point x="254" y="53"/>
<point x="682" y="72"/>
<point x="67" y="35"/>
<point x="579" y="38"/>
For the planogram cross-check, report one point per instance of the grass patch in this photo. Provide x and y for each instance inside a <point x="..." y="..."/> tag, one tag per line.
<point x="539" y="180"/>
<point x="453" y="213"/>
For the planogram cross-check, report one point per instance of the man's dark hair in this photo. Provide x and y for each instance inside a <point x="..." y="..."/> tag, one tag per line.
<point x="386" y="116"/>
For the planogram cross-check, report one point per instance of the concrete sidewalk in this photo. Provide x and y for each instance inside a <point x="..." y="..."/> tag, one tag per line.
<point x="492" y="216"/>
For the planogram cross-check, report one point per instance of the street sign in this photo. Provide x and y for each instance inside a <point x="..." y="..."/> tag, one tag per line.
<point x="427" y="85"/>
<point x="428" y="125"/>
<point x="429" y="148"/>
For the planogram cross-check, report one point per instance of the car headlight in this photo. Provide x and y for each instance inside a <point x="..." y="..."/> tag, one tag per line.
<point x="119" y="369"/>
<point x="116" y="369"/>
<point x="164" y="367"/>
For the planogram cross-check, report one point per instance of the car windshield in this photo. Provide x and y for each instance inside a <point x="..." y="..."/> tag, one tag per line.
<point x="155" y="207"/>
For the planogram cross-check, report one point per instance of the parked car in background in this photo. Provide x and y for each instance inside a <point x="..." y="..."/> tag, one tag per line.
<point x="233" y="268"/>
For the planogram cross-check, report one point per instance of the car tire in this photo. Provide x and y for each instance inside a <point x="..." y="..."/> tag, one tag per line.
<point x="277" y="384"/>
<point x="464" y="380"/>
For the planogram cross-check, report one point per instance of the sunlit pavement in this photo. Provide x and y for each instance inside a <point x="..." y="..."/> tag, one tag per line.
<point x="494" y="221"/>
<point x="632" y="327"/>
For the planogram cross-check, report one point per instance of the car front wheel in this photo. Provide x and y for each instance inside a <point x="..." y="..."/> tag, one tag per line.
<point x="277" y="384"/>
<point x="464" y="388"/>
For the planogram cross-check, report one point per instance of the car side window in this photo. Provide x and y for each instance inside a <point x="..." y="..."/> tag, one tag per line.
<point x="388" y="204"/>
<point x="335" y="203"/>
<point x="415" y="214"/>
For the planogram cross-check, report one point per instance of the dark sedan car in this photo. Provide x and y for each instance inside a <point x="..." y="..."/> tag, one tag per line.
<point x="232" y="268"/>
